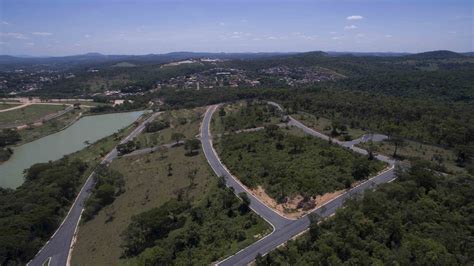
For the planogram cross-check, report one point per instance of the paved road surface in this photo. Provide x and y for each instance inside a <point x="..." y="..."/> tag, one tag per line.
<point x="58" y="247"/>
<point x="284" y="229"/>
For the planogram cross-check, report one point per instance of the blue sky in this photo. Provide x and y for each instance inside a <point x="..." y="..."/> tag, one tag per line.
<point x="47" y="27"/>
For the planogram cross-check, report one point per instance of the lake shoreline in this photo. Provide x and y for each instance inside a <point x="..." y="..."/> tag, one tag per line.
<point x="67" y="140"/>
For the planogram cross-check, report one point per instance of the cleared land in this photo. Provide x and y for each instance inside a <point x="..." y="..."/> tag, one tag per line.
<point x="184" y="121"/>
<point x="294" y="171"/>
<point x="148" y="184"/>
<point x="29" y="114"/>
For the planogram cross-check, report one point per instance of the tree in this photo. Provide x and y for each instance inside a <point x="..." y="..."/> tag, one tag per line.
<point x="222" y="112"/>
<point x="192" y="177"/>
<point x="271" y="130"/>
<point x="155" y="126"/>
<point x="397" y="142"/>
<point x="245" y="205"/>
<point x="127" y="147"/>
<point x="393" y="133"/>
<point x="314" y="229"/>
<point x="296" y="143"/>
<point x="9" y="136"/>
<point x="170" y="169"/>
<point x="177" y="137"/>
<point x="361" y="169"/>
<point x="163" y="150"/>
<point x="191" y="146"/>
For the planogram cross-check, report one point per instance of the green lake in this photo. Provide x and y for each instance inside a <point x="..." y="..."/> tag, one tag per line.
<point x="55" y="146"/>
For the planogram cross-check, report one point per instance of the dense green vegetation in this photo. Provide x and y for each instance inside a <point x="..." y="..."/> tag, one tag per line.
<point x="425" y="119"/>
<point x="192" y="146"/>
<point x="155" y="126"/>
<point x="127" y="147"/>
<point x="135" y="103"/>
<point x="5" y="154"/>
<point x="32" y="212"/>
<point x="7" y="137"/>
<point x="181" y="233"/>
<point x="287" y="165"/>
<point x="420" y="219"/>
<point x="449" y="125"/>
<point x="251" y="115"/>
<point x="109" y="184"/>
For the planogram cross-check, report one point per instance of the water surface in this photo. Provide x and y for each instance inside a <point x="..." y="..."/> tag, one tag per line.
<point x="55" y="146"/>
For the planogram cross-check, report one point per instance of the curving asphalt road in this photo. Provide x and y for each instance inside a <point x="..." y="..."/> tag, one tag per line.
<point x="58" y="247"/>
<point x="283" y="228"/>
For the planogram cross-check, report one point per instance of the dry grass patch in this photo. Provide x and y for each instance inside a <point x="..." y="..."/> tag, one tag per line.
<point x="147" y="185"/>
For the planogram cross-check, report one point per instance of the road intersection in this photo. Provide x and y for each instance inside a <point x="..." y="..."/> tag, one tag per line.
<point x="57" y="250"/>
<point x="283" y="228"/>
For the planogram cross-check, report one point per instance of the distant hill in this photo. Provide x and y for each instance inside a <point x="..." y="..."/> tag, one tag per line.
<point x="380" y="54"/>
<point x="8" y="62"/>
<point x="441" y="54"/>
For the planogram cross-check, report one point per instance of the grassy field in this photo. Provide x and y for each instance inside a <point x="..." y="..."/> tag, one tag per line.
<point x="147" y="185"/>
<point x="28" y="114"/>
<point x="324" y="125"/>
<point x="411" y="150"/>
<point x="7" y="105"/>
<point x="185" y="121"/>
<point x="35" y="132"/>
<point x="288" y="165"/>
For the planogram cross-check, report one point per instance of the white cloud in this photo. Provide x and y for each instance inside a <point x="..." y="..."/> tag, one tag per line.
<point x="354" y="17"/>
<point x="244" y="20"/>
<point x="30" y="44"/>
<point x="3" y="22"/>
<point x="388" y="36"/>
<point x="337" y="38"/>
<point x="2" y="43"/>
<point x="87" y="36"/>
<point x="236" y="35"/>
<point x="333" y="32"/>
<point x="271" y="38"/>
<point x="350" y="27"/>
<point x="15" y="35"/>
<point x="222" y="24"/>
<point x="360" y="35"/>
<point x="42" y="33"/>
<point x="305" y="36"/>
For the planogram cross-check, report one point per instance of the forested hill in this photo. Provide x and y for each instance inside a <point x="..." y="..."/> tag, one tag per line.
<point x="436" y="75"/>
<point x="442" y="75"/>
<point x="421" y="219"/>
<point x="441" y="54"/>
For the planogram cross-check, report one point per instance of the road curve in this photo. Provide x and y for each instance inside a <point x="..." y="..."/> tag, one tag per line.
<point x="58" y="247"/>
<point x="283" y="228"/>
